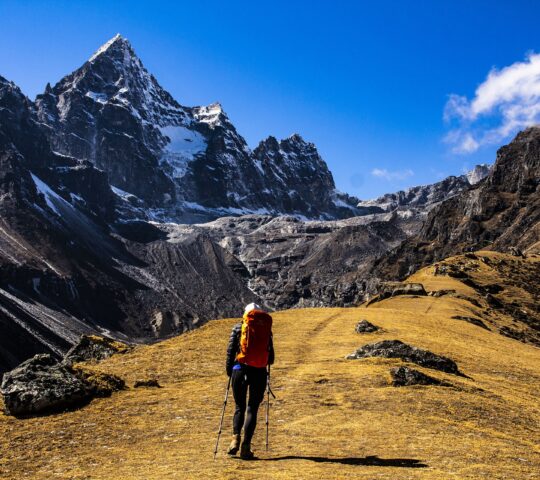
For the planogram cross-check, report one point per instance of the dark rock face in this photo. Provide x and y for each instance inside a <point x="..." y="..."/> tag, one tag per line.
<point x="398" y="349"/>
<point x="298" y="178"/>
<point x="96" y="114"/>
<point x="19" y="130"/>
<point x="363" y="326"/>
<point x="405" y="376"/>
<point x="94" y="348"/>
<point x="76" y="181"/>
<point x="42" y="385"/>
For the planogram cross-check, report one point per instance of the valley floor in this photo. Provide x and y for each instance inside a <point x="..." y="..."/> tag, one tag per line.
<point x="333" y="418"/>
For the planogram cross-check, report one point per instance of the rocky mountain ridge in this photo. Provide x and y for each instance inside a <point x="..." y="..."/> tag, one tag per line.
<point x="426" y="197"/>
<point x="500" y="212"/>
<point x="179" y="163"/>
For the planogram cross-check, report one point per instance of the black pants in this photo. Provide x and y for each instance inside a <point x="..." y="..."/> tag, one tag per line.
<point x="254" y="380"/>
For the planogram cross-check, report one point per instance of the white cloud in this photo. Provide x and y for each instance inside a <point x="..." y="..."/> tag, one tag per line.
<point x="462" y="141"/>
<point x="507" y="101"/>
<point x="392" y="175"/>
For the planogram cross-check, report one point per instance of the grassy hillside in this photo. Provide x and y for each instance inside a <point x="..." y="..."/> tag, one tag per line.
<point x="333" y="418"/>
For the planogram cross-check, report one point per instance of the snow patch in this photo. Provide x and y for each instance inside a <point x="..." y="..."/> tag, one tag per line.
<point x="183" y="145"/>
<point x="51" y="198"/>
<point x="97" y="97"/>
<point x="338" y="202"/>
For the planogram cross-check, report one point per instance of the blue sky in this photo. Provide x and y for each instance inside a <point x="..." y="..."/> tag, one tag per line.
<point x="367" y="82"/>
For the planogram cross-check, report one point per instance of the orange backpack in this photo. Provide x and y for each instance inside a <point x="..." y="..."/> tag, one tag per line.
<point x="255" y="339"/>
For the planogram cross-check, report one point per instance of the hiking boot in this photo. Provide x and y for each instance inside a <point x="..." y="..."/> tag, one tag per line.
<point x="235" y="445"/>
<point x="245" y="452"/>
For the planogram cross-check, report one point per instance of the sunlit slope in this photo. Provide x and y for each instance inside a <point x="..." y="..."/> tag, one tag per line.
<point x="333" y="418"/>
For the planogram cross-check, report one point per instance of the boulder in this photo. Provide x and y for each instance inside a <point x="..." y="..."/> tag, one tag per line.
<point x="398" y="349"/>
<point x="95" y="348"/>
<point x="43" y="385"/>
<point x="406" y="376"/>
<point x="364" y="326"/>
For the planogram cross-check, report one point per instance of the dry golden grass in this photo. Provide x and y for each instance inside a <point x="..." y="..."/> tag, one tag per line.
<point x="333" y="418"/>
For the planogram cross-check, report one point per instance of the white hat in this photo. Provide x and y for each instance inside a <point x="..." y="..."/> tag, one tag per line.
<point x="252" y="306"/>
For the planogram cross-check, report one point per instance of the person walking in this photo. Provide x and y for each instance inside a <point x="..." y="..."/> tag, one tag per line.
<point x="250" y="352"/>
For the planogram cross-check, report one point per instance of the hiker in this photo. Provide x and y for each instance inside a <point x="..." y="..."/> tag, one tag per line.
<point x="249" y="352"/>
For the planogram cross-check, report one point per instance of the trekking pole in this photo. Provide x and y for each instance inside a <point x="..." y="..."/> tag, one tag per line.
<point x="268" y="393"/>
<point x="222" y="415"/>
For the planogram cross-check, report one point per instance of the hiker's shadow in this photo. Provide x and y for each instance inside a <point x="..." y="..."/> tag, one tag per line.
<point x="370" y="461"/>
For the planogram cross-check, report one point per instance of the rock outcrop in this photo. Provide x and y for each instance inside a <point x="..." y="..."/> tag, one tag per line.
<point x="363" y="326"/>
<point x="398" y="349"/>
<point x="394" y="289"/>
<point x="406" y="376"/>
<point x="43" y="385"/>
<point x="150" y="383"/>
<point x="471" y="320"/>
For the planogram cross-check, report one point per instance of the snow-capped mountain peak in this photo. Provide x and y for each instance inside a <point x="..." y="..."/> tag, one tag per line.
<point x="112" y="112"/>
<point x="116" y="43"/>
<point x="213" y="114"/>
